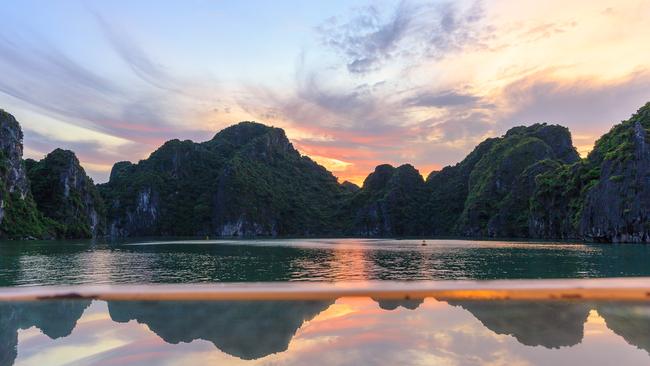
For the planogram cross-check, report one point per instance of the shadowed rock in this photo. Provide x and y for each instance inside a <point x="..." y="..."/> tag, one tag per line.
<point x="548" y="324"/>
<point x="245" y="329"/>
<point x="629" y="320"/>
<point x="54" y="318"/>
<point x="410" y="304"/>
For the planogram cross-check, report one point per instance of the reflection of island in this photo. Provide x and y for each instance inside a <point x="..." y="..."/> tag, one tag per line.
<point x="549" y="324"/>
<point x="54" y="318"/>
<point x="410" y="304"/>
<point x="629" y="320"/>
<point x="245" y="329"/>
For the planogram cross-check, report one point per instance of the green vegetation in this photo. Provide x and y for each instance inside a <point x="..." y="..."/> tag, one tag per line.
<point x="487" y="193"/>
<point x="19" y="217"/>
<point x="23" y="220"/>
<point x="247" y="180"/>
<point x="390" y="203"/>
<point x="66" y="195"/>
<point x="562" y="195"/>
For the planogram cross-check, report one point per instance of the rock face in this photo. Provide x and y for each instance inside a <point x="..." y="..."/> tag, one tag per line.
<point x="487" y="194"/>
<point x="248" y="180"/>
<point x="617" y="207"/>
<point x="389" y="203"/>
<point x="64" y="193"/>
<point x="605" y="197"/>
<point x="19" y="217"/>
<point x="448" y="189"/>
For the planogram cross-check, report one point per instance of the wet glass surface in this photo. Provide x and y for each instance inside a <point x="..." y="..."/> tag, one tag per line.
<point x="56" y="263"/>
<point x="344" y="331"/>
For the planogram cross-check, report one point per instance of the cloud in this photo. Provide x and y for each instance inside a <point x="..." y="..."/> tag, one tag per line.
<point x="369" y="39"/>
<point x="138" y="61"/>
<point x="46" y="80"/>
<point x="371" y="124"/>
<point x="585" y="105"/>
<point x="447" y="98"/>
<point x="96" y="158"/>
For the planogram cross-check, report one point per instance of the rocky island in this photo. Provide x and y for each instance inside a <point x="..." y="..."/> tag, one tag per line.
<point x="249" y="180"/>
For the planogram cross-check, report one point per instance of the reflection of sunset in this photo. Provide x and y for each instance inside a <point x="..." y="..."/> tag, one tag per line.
<point x="358" y="331"/>
<point x="350" y="261"/>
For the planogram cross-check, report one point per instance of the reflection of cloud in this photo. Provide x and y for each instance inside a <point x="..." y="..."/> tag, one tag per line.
<point x="548" y="324"/>
<point x="55" y="319"/>
<point x="351" y="331"/>
<point x="245" y="329"/>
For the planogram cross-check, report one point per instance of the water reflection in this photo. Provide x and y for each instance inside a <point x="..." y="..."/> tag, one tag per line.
<point x="55" y="319"/>
<point x="547" y="324"/>
<point x="630" y="320"/>
<point x="411" y="304"/>
<point x="345" y="331"/>
<point x="245" y="329"/>
<point x="52" y="263"/>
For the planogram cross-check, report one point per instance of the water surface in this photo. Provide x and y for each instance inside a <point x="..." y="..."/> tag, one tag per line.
<point x="344" y="331"/>
<point x="56" y="263"/>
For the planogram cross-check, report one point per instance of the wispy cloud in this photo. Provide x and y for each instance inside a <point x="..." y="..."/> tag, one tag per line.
<point x="42" y="78"/>
<point x="417" y="82"/>
<point x="446" y="98"/>
<point x="370" y="38"/>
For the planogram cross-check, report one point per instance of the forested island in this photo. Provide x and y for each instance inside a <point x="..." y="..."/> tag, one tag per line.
<point x="250" y="181"/>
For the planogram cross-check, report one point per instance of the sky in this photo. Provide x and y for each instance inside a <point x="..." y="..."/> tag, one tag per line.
<point x="353" y="83"/>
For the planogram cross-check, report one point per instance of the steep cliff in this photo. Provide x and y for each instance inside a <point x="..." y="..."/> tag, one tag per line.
<point x="247" y="180"/>
<point x="487" y="194"/>
<point x="19" y="217"/>
<point x="447" y="191"/>
<point x="496" y="174"/>
<point x="605" y="197"/>
<point x="389" y="203"/>
<point x="64" y="193"/>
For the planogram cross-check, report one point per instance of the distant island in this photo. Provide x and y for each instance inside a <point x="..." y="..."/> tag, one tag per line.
<point x="250" y="181"/>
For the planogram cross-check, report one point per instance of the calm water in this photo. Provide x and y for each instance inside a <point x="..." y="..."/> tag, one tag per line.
<point x="345" y="331"/>
<point x="49" y="263"/>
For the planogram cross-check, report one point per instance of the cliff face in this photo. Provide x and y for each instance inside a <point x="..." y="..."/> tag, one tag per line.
<point x="605" y="197"/>
<point x="487" y="194"/>
<point x="447" y="191"/>
<point x="495" y="176"/>
<point x="617" y="207"/>
<point x="389" y="203"/>
<point x="64" y="193"/>
<point x="19" y="217"/>
<point x="247" y="180"/>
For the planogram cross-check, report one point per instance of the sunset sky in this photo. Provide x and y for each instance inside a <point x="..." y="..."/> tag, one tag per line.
<point x="354" y="83"/>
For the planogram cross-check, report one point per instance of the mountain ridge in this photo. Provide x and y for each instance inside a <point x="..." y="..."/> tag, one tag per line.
<point x="249" y="180"/>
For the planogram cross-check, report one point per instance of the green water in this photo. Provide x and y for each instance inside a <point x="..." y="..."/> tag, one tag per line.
<point x="55" y="263"/>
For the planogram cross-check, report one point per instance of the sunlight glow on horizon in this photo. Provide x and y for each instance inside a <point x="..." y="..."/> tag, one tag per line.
<point x="354" y="84"/>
